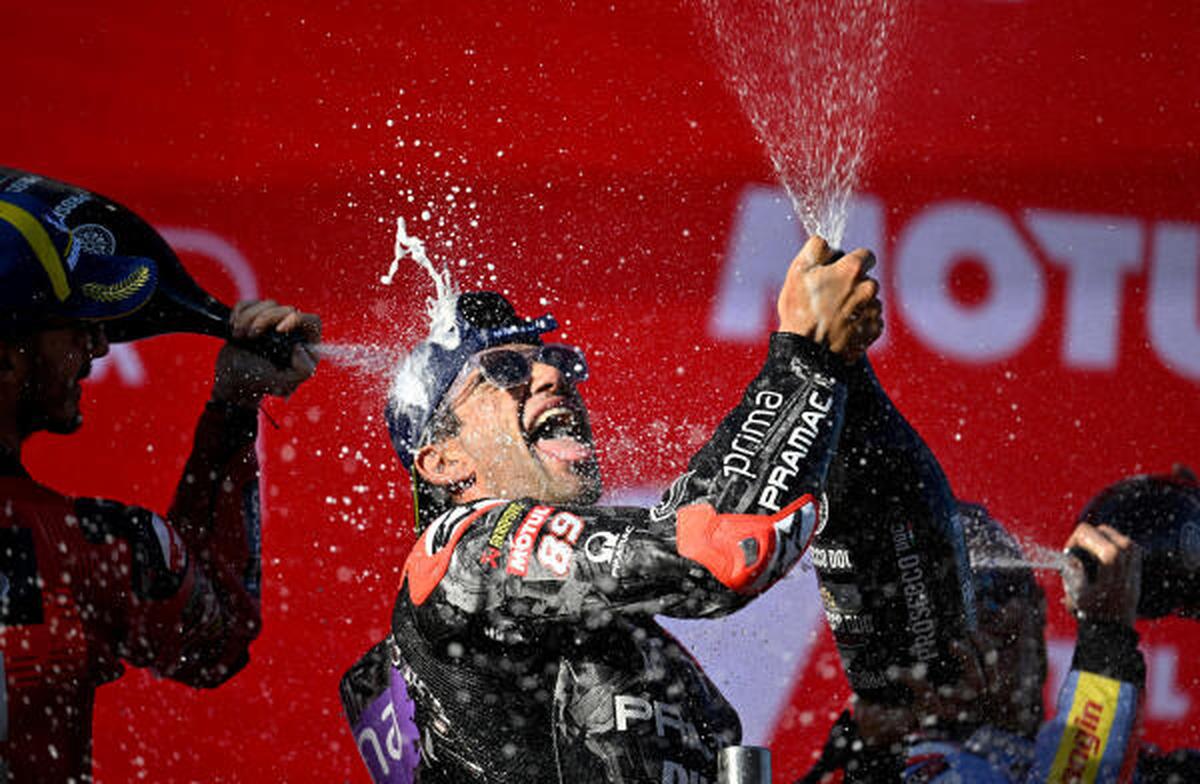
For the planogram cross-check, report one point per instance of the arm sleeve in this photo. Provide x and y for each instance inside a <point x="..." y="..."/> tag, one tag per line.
<point x="193" y="607"/>
<point x="1093" y="735"/>
<point x="732" y="525"/>
<point x="382" y="716"/>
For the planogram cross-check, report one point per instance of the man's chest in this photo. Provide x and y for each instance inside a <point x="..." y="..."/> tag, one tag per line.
<point x="644" y="703"/>
<point x="45" y="648"/>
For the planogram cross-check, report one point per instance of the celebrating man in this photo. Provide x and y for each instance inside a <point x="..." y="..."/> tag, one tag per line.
<point x="524" y="632"/>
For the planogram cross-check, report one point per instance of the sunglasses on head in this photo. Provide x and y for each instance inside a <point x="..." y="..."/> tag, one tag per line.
<point x="506" y="367"/>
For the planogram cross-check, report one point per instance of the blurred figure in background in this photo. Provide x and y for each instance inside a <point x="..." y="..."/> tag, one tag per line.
<point x="88" y="583"/>
<point x="1003" y="696"/>
<point x="868" y="743"/>
<point x="1093" y="733"/>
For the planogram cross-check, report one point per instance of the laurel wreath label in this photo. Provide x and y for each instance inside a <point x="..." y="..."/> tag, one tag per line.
<point x="115" y="292"/>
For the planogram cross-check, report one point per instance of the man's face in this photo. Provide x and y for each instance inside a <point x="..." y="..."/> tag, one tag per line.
<point x="532" y="440"/>
<point x="55" y="361"/>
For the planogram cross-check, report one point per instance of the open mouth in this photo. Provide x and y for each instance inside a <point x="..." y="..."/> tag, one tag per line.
<point x="560" y="432"/>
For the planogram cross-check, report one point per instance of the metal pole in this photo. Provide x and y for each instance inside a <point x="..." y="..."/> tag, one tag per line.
<point x="744" y="765"/>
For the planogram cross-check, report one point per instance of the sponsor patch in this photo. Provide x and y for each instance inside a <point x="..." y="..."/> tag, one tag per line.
<point x="835" y="559"/>
<point x="600" y="546"/>
<point x="922" y="623"/>
<point x="558" y="545"/>
<point x="524" y="539"/>
<point x="605" y="547"/>
<point x="504" y="524"/>
<point x="96" y="239"/>
<point x="752" y="431"/>
<point x="790" y="462"/>
<point x="386" y="734"/>
<point x="1089" y="725"/>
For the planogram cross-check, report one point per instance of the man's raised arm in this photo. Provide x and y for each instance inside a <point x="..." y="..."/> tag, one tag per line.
<point x="200" y="635"/>
<point x="736" y="522"/>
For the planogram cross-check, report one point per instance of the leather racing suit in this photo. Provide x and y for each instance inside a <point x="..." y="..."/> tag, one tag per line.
<point x="524" y="644"/>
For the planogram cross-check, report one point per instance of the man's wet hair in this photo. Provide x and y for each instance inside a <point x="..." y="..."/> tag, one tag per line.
<point x="481" y="320"/>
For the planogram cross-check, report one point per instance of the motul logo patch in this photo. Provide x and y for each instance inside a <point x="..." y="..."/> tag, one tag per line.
<point x="522" y="543"/>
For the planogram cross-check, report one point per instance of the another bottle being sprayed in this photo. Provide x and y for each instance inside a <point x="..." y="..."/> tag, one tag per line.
<point x="1161" y="512"/>
<point x="179" y="304"/>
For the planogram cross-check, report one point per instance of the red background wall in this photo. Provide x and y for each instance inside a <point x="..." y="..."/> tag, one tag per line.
<point x="608" y="168"/>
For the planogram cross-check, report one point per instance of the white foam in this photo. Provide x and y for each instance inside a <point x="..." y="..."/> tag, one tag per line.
<point x="807" y="75"/>
<point x="407" y="391"/>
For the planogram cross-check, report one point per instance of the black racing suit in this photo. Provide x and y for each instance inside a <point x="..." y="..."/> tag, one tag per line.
<point x="525" y="634"/>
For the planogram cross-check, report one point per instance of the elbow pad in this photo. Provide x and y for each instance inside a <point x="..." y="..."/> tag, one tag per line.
<point x="747" y="553"/>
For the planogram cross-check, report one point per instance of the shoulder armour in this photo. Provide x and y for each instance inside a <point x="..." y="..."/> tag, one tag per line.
<point x="430" y="557"/>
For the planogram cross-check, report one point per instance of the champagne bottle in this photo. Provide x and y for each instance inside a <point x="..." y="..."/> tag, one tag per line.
<point x="1161" y="512"/>
<point x="891" y="561"/>
<point x="179" y="304"/>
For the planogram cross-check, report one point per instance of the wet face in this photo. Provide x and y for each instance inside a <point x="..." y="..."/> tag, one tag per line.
<point x="532" y="440"/>
<point x="53" y="363"/>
